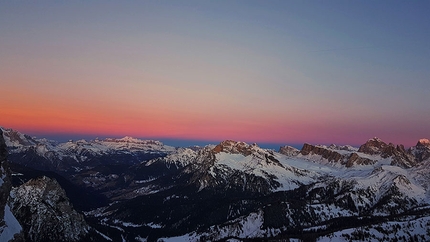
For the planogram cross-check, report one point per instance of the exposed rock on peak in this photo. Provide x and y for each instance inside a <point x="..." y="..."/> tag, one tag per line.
<point x="230" y="146"/>
<point x="330" y="155"/>
<point x="355" y="159"/>
<point x="288" y="150"/>
<point x="349" y="159"/>
<point x="421" y="150"/>
<point x="400" y="157"/>
<point x="424" y="142"/>
<point x="45" y="213"/>
<point x="373" y="146"/>
<point x="236" y="147"/>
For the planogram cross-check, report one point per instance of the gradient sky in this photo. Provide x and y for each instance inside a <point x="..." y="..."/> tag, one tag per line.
<point x="257" y="71"/>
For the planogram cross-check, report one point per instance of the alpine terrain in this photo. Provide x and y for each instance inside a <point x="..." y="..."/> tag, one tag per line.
<point x="142" y="190"/>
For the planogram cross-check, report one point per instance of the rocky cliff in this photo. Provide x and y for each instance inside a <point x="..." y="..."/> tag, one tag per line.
<point x="44" y="211"/>
<point x="421" y="150"/>
<point x="9" y="226"/>
<point x="399" y="156"/>
<point x="288" y="150"/>
<point x="5" y="179"/>
<point x="349" y="159"/>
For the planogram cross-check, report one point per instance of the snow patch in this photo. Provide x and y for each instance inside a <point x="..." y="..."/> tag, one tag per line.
<point x="11" y="226"/>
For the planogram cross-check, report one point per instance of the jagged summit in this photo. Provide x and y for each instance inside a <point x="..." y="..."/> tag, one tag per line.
<point x="373" y="146"/>
<point x="44" y="210"/>
<point x="423" y="142"/>
<point x="288" y="150"/>
<point x="376" y="139"/>
<point x="236" y="147"/>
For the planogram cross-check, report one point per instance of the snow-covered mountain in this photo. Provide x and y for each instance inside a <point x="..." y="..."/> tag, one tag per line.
<point x="239" y="191"/>
<point x="51" y="155"/>
<point x="244" y="191"/>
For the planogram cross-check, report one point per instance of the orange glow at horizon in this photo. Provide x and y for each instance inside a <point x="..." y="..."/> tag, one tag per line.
<point x="33" y="111"/>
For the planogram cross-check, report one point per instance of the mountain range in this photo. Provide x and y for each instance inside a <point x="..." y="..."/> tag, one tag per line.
<point x="142" y="190"/>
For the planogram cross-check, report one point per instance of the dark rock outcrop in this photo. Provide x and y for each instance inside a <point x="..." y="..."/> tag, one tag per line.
<point x="330" y="155"/>
<point x="355" y="159"/>
<point x="399" y="156"/>
<point x="44" y="211"/>
<point x="9" y="227"/>
<point x="421" y="150"/>
<point x="5" y="184"/>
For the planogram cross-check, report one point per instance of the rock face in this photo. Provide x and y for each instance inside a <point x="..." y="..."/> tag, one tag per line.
<point x="373" y="146"/>
<point x="400" y="157"/>
<point x="9" y="227"/>
<point x="234" y="147"/>
<point x="5" y="184"/>
<point x="288" y="150"/>
<point x="355" y="159"/>
<point x="45" y="213"/>
<point x="333" y="156"/>
<point x="421" y="150"/>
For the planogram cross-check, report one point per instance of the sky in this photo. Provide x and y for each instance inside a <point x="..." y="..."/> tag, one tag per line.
<point x="272" y="72"/>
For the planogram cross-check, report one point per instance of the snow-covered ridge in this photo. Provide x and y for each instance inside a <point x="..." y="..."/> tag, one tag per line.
<point x="79" y="150"/>
<point x="180" y="158"/>
<point x="14" y="138"/>
<point x="110" y="144"/>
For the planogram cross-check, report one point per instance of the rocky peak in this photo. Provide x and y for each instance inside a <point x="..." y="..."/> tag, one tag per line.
<point x="236" y="147"/>
<point x="44" y="211"/>
<point x="14" y="138"/>
<point x="423" y="143"/>
<point x="421" y="150"/>
<point x="373" y="146"/>
<point x="355" y="159"/>
<point x="330" y="155"/>
<point x="288" y="150"/>
<point x="398" y="154"/>
<point x="348" y="160"/>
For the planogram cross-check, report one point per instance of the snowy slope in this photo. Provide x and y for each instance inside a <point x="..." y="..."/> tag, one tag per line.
<point x="11" y="226"/>
<point x="334" y="189"/>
